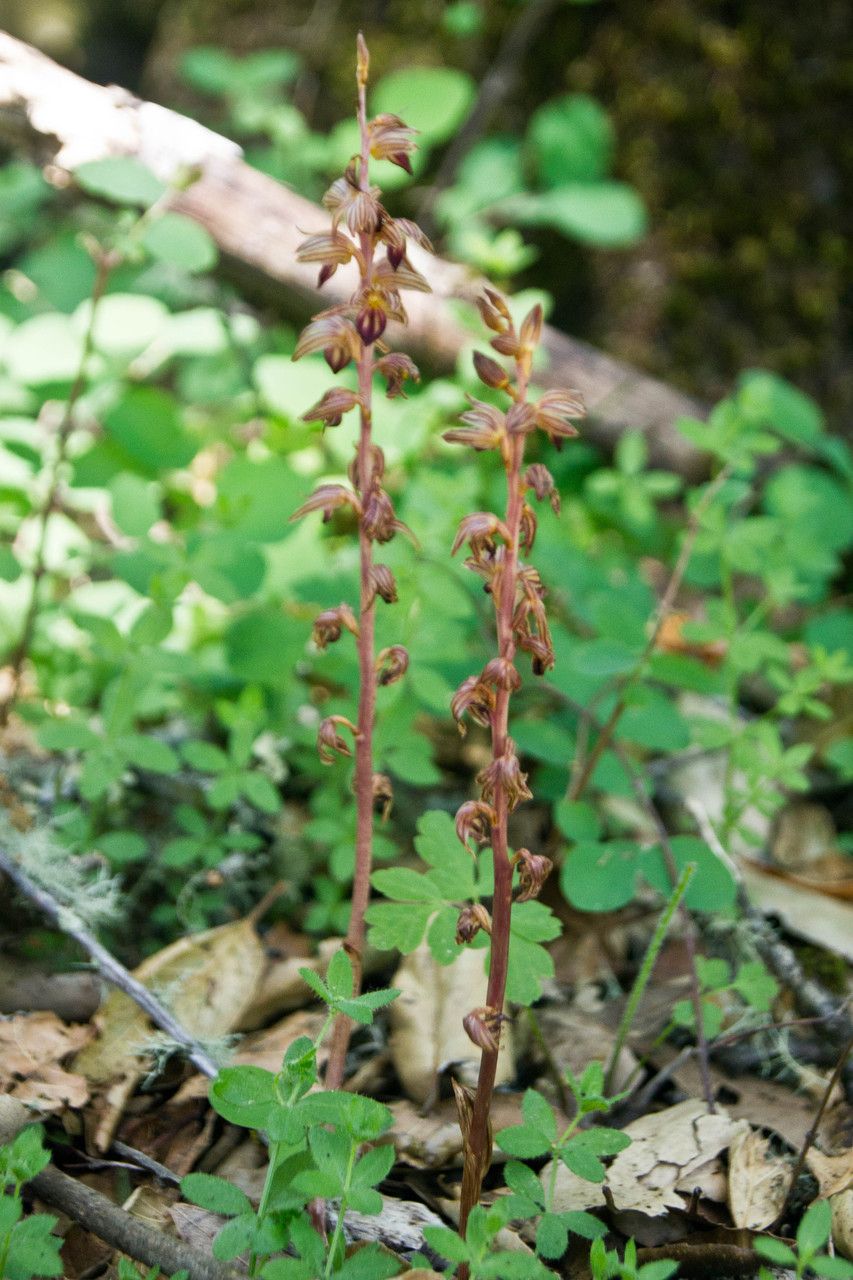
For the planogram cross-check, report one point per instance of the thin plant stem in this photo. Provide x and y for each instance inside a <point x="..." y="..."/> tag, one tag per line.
<point x="354" y="943"/>
<point x="642" y="979"/>
<point x="104" y="264"/>
<point x="581" y="774"/>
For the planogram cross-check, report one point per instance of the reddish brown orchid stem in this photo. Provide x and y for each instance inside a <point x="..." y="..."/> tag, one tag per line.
<point x="347" y="334"/>
<point x="354" y="943"/>
<point x="479" y="1137"/>
<point x="521" y="625"/>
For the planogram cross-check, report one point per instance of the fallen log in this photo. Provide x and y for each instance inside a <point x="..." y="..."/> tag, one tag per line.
<point x="62" y="120"/>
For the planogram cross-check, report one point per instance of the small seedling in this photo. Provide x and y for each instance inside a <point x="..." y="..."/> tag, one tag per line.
<point x="807" y="1257"/>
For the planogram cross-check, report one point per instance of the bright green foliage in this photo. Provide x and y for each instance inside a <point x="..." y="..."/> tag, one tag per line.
<point x="807" y="1258"/>
<point x="316" y="1144"/>
<point x="580" y="1150"/>
<point x="27" y="1247"/>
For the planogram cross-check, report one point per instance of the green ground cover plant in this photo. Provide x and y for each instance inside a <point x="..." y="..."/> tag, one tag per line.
<point x="157" y="600"/>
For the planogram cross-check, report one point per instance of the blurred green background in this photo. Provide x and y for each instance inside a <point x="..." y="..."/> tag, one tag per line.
<point x="730" y="121"/>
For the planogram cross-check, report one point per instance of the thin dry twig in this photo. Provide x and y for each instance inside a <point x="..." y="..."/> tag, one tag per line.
<point x="110" y="968"/>
<point x="131" y="1235"/>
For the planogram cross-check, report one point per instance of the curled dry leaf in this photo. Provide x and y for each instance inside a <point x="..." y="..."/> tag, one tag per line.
<point x="210" y="979"/>
<point x="842" y="1222"/>
<point x="834" y="1173"/>
<point x="427" y="1033"/>
<point x="32" y="1048"/>
<point x="758" y="1181"/>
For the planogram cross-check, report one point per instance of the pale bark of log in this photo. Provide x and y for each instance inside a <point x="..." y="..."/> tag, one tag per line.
<point x="63" y="120"/>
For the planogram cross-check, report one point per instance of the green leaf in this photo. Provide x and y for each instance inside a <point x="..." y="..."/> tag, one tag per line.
<point x="758" y="987"/>
<point x="135" y="503"/>
<point x="405" y="885"/>
<point x="712" y="888"/>
<point x="538" y="1115"/>
<point x="521" y="1179"/>
<point x="452" y="868"/>
<point x="236" y="1237"/>
<point x="552" y="1236"/>
<point x="836" y="1268"/>
<point x="774" y="1250"/>
<point x="579" y="1160"/>
<point x="433" y="100"/>
<point x="370" y="1263"/>
<point x="181" y="242"/>
<point x="601" y="877"/>
<point x="657" y="1270"/>
<point x="522" y="1141"/>
<point x="398" y="927"/>
<point x="815" y="1227"/>
<point x="42" y="350"/>
<point x="25" y="1157"/>
<point x="215" y="1194"/>
<point x="204" y="757"/>
<point x="121" y="848"/>
<point x="67" y="735"/>
<point x="259" y="791"/>
<point x="148" y="753"/>
<point x="586" y="1225"/>
<point x="33" y="1250"/>
<point x="577" y="820"/>
<point x="769" y="400"/>
<point x="713" y="972"/>
<point x="608" y="214"/>
<point x="447" y="1243"/>
<point x="121" y="180"/>
<point x="529" y="963"/>
<point x="339" y="976"/>
<point x="244" y="1096"/>
<point x="374" y="1166"/>
<point x="146" y="423"/>
<point x="572" y="140"/>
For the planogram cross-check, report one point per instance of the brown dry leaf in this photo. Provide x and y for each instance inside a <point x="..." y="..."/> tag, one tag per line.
<point x="670" y="1150"/>
<point x="758" y="1182"/>
<point x="842" y="1222"/>
<point x="576" y="1038"/>
<point x="765" y="1103"/>
<point x="32" y="1047"/>
<point x="427" y="1034"/>
<point x="207" y="980"/>
<point x="834" y="1173"/>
